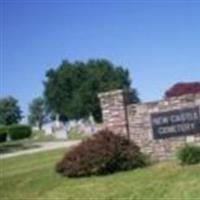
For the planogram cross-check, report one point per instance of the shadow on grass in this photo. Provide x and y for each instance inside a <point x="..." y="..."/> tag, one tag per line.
<point x="10" y="147"/>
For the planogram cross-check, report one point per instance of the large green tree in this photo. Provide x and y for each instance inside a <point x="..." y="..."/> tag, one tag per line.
<point x="37" y="112"/>
<point x="10" y="112"/>
<point x="71" y="89"/>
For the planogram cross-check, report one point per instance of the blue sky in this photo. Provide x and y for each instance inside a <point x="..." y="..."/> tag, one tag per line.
<point x="158" y="41"/>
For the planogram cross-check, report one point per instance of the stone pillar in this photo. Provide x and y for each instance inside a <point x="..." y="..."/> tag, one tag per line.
<point x="113" y="105"/>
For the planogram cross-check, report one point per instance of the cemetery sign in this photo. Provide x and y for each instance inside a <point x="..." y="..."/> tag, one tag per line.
<point x="176" y="123"/>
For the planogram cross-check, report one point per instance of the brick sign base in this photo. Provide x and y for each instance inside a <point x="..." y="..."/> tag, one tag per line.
<point x="159" y="127"/>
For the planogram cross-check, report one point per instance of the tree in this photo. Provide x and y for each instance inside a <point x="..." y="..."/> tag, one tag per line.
<point x="183" y="88"/>
<point x="10" y="112"/>
<point x="37" y="112"/>
<point x="71" y="89"/>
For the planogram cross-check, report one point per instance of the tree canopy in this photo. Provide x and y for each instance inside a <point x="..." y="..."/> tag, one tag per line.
<point x="37" y="112"/>
<point x="71" y="89"/>
<point x="10" y="112"/>
<point x="179" y="89"/>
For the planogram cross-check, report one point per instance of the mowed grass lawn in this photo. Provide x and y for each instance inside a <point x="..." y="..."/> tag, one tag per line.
<point x="32" y="177"/>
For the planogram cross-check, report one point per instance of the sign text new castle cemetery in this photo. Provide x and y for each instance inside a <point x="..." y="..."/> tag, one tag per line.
<point x="176" y="123"/>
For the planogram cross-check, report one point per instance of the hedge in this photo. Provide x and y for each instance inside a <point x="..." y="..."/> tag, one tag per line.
<point x="3" y="133"/>
<point x="17" y="132"/>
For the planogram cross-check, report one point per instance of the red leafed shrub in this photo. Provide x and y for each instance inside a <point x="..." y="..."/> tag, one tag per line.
<point x="102" y="154"/>
<point x="182" y="89"/>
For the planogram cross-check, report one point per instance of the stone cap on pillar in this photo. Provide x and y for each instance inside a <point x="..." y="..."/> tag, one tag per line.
<point x="110" y="93"/>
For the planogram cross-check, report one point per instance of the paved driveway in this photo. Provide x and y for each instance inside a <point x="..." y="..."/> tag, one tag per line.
<point x="43" y="146"/>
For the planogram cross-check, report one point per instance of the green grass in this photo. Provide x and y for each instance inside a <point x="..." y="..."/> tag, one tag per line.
<point x="74" y="135"/>
<point x="27" y="143"/>
<point x="34" y="141"/>
<point x="32" y="177"/>
<point x="40" y="136"/>
<point x="18" y="145"/>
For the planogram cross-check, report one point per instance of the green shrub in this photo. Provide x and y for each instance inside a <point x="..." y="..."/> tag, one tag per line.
<point x="103" y="153"/>
<point x="17" y="132"/>
<point x="189" y="154"/>
<point x="3" y="133"/>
